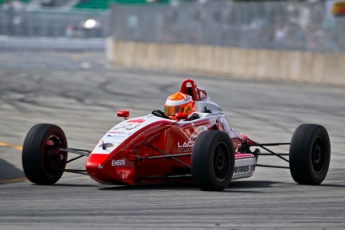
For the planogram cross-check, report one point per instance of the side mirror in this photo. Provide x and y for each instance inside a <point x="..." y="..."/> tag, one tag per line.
<point x="180" y="116"/>
<point x="123" y="113"/>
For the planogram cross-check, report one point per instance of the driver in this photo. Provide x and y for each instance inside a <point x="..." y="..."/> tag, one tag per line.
<point x="179" y="102"/>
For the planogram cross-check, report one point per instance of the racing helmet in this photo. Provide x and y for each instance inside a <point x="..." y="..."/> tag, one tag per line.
<point x="178" y="102"/>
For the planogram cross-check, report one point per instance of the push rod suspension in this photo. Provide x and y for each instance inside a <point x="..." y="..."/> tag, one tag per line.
<point x="274" y="154"/>
<point x="73" y="159"/>
<point x="76" y="151"/>
<point x="158" y="150"/>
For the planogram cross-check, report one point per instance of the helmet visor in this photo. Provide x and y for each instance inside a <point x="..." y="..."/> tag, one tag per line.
<point x="172" y="110"/>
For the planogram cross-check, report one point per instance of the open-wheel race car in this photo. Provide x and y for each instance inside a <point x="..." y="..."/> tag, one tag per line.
<point x="190" y="141"/>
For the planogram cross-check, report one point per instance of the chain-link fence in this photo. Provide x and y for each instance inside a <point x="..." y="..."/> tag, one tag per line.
<point x="272" y="25"/>
<point x="54" y="23"/>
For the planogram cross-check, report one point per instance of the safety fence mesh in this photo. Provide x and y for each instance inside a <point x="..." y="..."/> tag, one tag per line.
<point x="270" y="25"/>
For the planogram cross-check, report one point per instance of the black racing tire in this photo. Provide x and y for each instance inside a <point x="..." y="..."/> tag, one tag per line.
<point x="213" y="160"/>
<point x="309" y="154"/>
<point x="42" y="162"/>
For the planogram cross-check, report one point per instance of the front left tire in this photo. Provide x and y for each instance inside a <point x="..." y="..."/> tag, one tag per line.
<point x="42" y="161"/>
<point x="212" y="160"/>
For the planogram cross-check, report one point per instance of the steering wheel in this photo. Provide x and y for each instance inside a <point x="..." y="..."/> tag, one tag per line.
<point x="160" y="113"/>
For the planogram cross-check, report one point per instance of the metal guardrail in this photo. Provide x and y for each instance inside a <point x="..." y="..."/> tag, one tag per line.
<point x="268" y="25"/>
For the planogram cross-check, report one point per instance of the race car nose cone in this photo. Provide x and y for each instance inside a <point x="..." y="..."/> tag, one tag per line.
<point x="96" y="167"/>
<point x="104" y="169"/>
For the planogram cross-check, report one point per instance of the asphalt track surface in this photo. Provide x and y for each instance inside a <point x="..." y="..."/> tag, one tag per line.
<point x="81" y="94"/>
<point x="11" y="43"/>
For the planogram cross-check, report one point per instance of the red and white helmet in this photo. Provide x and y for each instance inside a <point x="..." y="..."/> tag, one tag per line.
<point x="178" y="102"/>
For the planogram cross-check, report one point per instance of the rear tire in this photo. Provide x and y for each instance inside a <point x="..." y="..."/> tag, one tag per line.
<point x="42" y="162"/>
<point x="212" y="160"/>
<point x="309" y="155"/>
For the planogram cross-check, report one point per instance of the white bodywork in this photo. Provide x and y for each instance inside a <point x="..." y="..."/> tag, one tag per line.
<point x="244" y="168"/>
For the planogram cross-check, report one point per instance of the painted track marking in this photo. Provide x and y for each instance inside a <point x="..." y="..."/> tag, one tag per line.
<point x="13" y="180"/>
<point x="3" y="144"/>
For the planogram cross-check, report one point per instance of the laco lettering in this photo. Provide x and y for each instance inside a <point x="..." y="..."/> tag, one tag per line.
<point x="185" y="144"/>
<point x="239" y="169"/>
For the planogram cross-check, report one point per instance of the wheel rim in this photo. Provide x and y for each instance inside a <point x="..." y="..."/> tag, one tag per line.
<point x="318" y="155"/>
<point x="221" y="161"/>
<point x="54" y="159"/>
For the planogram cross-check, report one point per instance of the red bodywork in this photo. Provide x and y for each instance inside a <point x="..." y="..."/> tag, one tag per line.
<point x="119" y="158"/>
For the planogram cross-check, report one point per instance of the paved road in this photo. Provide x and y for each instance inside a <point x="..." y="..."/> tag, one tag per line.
<point x="81" y="94"/>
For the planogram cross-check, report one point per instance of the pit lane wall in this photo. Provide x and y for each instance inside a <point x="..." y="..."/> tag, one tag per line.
<point x="258" y="64"/>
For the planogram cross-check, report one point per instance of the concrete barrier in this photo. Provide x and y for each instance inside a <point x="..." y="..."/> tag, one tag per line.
<point x="278" y="65"/>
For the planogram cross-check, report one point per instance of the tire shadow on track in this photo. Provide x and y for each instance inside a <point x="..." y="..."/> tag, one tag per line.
<point x="331" y="185"/>
<point x="9" y="173"/>
<point x="237" y="186"/>
<point x="70" y="185"/>
<point x="251" y="184"/>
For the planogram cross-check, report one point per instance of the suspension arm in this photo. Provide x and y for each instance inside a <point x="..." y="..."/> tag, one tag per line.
<point x="268" y="150"/>
<point x="267" y="144"/>
<point x="272" y="166"/>
<point x="158" y="150"/>
<point x="76" y="151"/>
<point x="77" y="171"/>
<point x="165" y="156"/>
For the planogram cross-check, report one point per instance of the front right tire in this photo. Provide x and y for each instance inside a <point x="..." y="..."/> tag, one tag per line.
<point x="309" y="154"/>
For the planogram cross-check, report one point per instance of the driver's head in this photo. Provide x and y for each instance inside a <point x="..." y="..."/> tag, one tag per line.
<point x="178" y="102"/>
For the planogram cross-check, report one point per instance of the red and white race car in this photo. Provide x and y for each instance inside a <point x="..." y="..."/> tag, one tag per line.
<point x="203" y="149"/>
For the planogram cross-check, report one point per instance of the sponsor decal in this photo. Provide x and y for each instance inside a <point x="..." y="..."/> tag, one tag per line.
<point x="130" y="124"/>
<point x="185" y="150"/>
<point x="197" y="132"/>
<point x="118" y="162"/>
<point x="244" y="168"/>
<point x="187" y="146"/>
<point x="139" y="120"/>
<point x="106" y="145"/>
<point x="120" y="133"/>
<point x="252" y="168"/>
<point x="239" y="169"/>
<point x="117" y="136"/>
